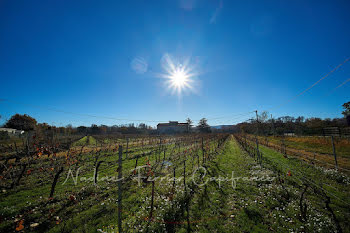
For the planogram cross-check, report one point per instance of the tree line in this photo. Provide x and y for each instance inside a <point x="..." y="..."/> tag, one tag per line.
<point x="28" y="123"/>
<point x="266" y="125"/>
<point x="288" y="124"/>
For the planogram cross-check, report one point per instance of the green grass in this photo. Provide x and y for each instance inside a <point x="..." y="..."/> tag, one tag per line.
<point x="322" y="145"/>
<point x="85" y="141"/>
<point x="264" y="206"/>
<point x="250" y="206"/>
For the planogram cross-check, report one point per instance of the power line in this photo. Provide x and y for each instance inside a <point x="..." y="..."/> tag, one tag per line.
<point x="215" y="118"/>
<point x="239" y="114"/>
<point x="78" y="114"/>
<point x="330" y="92"/>
<point x="341" y="85"/>
<point x="314" y="84"/>
<point x="107" y="117"/>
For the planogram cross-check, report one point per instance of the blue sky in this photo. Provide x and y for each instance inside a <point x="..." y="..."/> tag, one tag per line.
<point x="104" y="58"/>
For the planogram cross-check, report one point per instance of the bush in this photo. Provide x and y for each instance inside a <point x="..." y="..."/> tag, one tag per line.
<point x="4" y="135"/>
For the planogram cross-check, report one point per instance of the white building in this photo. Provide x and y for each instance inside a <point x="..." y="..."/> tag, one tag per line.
<point x="12" y="131"/>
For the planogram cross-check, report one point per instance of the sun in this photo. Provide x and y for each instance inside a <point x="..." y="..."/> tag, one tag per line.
<point x="179" y="76"/>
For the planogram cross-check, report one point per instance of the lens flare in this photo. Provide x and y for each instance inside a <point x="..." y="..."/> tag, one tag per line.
<point x="179" y="76"/>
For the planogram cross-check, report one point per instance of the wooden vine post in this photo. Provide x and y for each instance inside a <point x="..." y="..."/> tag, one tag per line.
<point x="335" y="155"/>
<point x="24" y="166"/>
<point x="152" y="201"/>
<point x="160" y="148"/>
<point x="187" y="201"/>
<point x="203" y="150"/>
<point x="185" y="173"/>
<point x="127" y="147"/>
<point x="137" y="159"/>
<point x="162" y="164"/>
<point x="96" y="172"/>
<point x="257" y="149"/>
<point x="257" y="132"/>
<point x="197" y="149"/>
<point x="55" y="181"/>
<point x="120" y="189"/>
<point x="174" y="180"/>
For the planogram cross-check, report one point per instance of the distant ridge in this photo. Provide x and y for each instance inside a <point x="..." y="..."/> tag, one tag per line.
<point x="220" y="126"/>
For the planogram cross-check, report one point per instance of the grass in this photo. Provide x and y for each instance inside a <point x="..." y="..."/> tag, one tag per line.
<point x="322" y="145"/>
<point x="251" y="205"/>
<point x="85" y="141"/>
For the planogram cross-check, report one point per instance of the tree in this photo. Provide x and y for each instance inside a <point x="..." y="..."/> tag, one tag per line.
<point x="203" y="126"/>
<point x="103" y="129"/>
<point x="189" y="122"/>
<point x="346" y="107"/>
<point x="94" y="129"/>
<point x="142" y="126"/>
<point x="69" y="129"/>
<point x="21" y="122"/>
<point x="263" y="116"/>
<point x="82" y="130"/>
<point x="299" y="119"/>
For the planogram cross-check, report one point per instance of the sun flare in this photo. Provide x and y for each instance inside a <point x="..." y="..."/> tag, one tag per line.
<point x="179" y="76"/>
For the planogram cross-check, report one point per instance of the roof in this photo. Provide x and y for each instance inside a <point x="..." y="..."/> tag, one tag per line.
<point x="172" y="123"/>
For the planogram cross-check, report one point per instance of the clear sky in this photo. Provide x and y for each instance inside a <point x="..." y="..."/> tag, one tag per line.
<point x="106" y="58"/>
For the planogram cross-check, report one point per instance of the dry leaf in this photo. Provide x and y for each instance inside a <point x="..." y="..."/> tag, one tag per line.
<point x="20" y="225"/>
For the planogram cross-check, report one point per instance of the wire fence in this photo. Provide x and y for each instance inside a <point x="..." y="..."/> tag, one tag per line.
<point x="59" y="167"/>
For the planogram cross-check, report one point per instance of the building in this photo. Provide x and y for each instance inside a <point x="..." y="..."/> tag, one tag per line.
<point x="289" y="134"/>
<point x="12" y="131"/>
<point x="172" y="127"/>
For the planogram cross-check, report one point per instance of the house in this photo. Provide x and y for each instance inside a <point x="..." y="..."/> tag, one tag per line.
<point x="289" y="134"/>
<point x="12" y="131"/>
<point x="172" y="127"/>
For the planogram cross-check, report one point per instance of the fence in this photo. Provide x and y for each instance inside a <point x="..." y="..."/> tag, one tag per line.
<point x="336" y="131"/>
<point x="332" y="159"/>
<point x="297" y="176"/>
<point x="47" y="165"/>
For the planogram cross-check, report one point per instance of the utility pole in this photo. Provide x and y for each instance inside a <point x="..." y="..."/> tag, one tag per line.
<point x="273" y="126"/>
